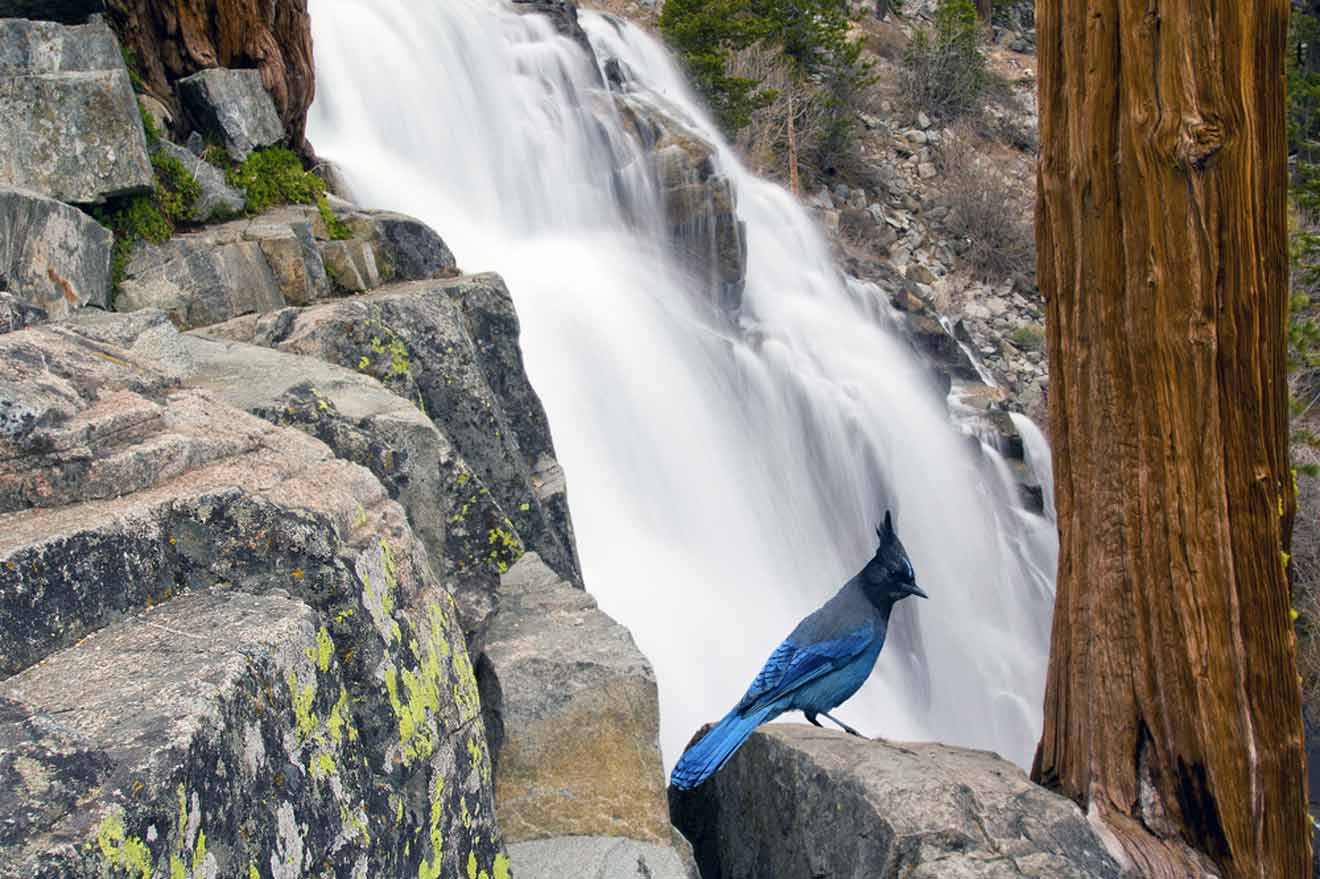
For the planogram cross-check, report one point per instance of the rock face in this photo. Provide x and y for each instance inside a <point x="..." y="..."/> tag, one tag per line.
<point x="562" y="14"/>
<point x="72" y="130"/>
<point x="554" y="667"/>
<point x="52" y="256"/>
<point x="224" y="649"/>
<point x="15" y="314"/>
<point x="799" y="801"/>
<point x="173" y="39"/>
<point x="450" y="347"/>
<point x="284" y="257"/>
<point x="232" y="105"/>
<point x="598" y="858"/>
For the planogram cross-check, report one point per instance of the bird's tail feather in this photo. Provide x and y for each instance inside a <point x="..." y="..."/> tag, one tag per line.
<point x="703" y="759"/>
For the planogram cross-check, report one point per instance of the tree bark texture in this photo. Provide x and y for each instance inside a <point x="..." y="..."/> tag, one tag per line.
<point x="176" y="38"/>
<point x="1172" y="706"/>
<point x="984" y="8"/>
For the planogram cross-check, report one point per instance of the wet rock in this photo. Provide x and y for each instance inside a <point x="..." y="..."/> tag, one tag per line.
<point x="413" y="249"/>
<point x="63" y="11"/>
<point x="52" y="256"/>
<point x="599" y="857"/>
<point x="571" y="713"/>
<point x="940" y="348"/>
<point x="302" y="677"/>
<point x="435" y="343"/>
<point x="798" y="801"/>
<point x="563" y="15"/>
<point x="72" y="130"/>
<point x="234" y="106"/>
<point x="218" y="200"/>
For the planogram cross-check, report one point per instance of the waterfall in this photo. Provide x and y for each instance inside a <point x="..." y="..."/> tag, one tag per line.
<point x="725" y="470"/>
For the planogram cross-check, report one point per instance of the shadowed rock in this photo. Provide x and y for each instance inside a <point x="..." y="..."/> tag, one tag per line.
<point x="63" y="11"/>
<point x="51" y="255"/>
<point x="597" y="857"/>
<point x="234" y="106"/>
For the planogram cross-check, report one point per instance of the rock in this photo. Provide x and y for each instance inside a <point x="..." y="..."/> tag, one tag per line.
<point x="926" y="170"/>
<point x="300" y="692"/>
<point x="598" y="857"/>
<point x="161" y="115"/>
<point x="942" y="350"/>
<point x="63" y="11"/>
<point x="234" y="106"/>
<point x="72" y="129"/>
<point x="218" y="200"/>
<point x="173" y="39"/>
<point x="52" y="256"/>
<point x="286" y="256"/>
<point x="563" y="15"/>
<point x="797" y="801"/>
<point x="571" y="712"/>
<point x="424" y="341"/>
<point x="916" y="136"/>
<point x="923" y="121"/>
<point x="920" y="274"/>
<point x="15" y="314"/>
<point x="362" y="422"/>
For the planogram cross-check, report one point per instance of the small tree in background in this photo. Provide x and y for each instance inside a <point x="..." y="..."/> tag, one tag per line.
<point x="944" y="69"/>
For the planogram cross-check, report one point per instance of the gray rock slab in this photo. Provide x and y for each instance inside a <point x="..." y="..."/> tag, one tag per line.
<point x="15" y="314"/>
<point x="799" y="801"/>
<point x="597" y="857"/>
<point x="71" y="128"/>
<point x="52" y="256"/>
<point x="235" y="106"/>
<point x="572" y="716"/>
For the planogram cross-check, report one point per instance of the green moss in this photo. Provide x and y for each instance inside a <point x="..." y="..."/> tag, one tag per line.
<point x="275" y="176"/>
<point x="149" y="127"/>
<point x="337" y="228"/>
<point x="134" y="68"/>
<point x="176" y="189"/>
<point x="1029" y="337"/>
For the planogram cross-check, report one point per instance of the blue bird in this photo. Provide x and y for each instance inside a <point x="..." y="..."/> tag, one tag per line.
<point x="819" y="666"/>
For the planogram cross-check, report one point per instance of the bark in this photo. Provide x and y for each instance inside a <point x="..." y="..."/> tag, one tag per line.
<point x="1172" y="707"/>
<point x="983" y="10"/>
<point x="176" y="38"/>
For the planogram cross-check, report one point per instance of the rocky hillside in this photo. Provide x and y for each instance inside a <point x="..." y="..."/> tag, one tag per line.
<point x="288" y="580"/>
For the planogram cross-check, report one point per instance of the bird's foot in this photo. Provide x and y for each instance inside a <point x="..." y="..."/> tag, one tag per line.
<point x="811" y="718"/>
<point x="843" y="726"/>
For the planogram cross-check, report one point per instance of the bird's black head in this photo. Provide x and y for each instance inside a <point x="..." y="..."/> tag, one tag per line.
<point x="888" y="576"/>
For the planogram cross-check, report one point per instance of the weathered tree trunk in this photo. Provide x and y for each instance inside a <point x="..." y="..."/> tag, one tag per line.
<point x="983" y="10"/>
<point x="1172" y="708"/>
<point x="176" y="38"/>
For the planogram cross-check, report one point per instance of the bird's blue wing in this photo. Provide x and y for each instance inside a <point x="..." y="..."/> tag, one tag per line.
<point x="792" y="665"/>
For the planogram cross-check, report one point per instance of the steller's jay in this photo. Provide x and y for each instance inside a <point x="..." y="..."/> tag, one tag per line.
<point x="819" y="666"/>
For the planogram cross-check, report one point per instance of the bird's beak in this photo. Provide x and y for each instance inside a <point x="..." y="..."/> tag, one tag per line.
<point x="914" y="589"/>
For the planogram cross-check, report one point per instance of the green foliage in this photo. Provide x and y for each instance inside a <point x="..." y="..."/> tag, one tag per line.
<point x="812" y="34"/>
<point x="134" y="70"/>
<point x="1029" y="337"/>
<point x="275" y="176"/>
<point x="149" y="127"/>
<point x="151" y="217"/>
<point x="1304" y="86"/>
<point x="944" y="69"/>
<point x="338" y="229"/>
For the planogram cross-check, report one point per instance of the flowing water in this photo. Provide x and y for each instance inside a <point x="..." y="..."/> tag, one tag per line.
<point x="725" y="473"/>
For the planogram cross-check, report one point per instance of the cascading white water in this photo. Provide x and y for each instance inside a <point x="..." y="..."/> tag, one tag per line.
<point x="724" y="476"/>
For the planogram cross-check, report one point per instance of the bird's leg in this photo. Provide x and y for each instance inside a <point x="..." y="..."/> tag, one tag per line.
<point x="845" y="727"/>
<point x="811" y="718"/>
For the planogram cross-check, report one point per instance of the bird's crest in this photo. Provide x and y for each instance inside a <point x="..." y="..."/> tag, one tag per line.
<point x="885" y="531"/>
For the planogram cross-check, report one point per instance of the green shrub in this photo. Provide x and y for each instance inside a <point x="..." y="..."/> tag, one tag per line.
<point x="944" y="70"/>
<point x="176" y="190"/>
<point x="1029" y="337"/>
<point x="151" y="217"/>
<point x="275" y="176"/>
<point x="338" y="229"/>
<point x="149" y="127"/>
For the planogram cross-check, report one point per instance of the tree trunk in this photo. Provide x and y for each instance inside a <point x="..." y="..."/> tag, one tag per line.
<point x="983" y="10"/>
<point x="1172" y="707"/>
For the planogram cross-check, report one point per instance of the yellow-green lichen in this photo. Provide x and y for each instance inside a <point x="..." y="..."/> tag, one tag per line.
<point x="254" y="873"/>
<point x="177" y="869"/>
<point x="303" y="697"/>
<point x="501" y="866"/>
<point x="324" y="650"/>
<point x="432" y="870"/>
<point x="128" y="853"/>
<point x="321" y="765"/>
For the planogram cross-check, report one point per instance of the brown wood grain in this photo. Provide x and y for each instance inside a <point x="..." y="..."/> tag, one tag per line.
<point x="1173" y="709"/>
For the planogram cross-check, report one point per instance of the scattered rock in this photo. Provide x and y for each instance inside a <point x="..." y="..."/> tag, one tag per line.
<point x="234" y="106"/>
<point x="598" y="857"/>
<point x="572" y="715"/>
<point x="798" y="801"/>
<point x="218" y="200"/>
<point x="926" y="170"/>
<point x="72" y="129"/>
<point x="52" y="256"/>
